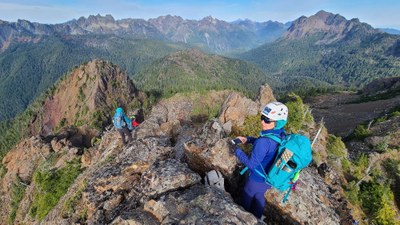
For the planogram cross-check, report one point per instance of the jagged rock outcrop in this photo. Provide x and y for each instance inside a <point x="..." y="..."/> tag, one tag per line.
<point x="93" y="89"/>
<point x="235" y="110"/>
<point x="210" y="150"/>
<point x="23" y="160"/>
<point x="308" y="204"/>
<point x="189" y="206"/>
<point x="265" y="96"/>
<point x="236" y="107"/>
<point x="170" y="116"/>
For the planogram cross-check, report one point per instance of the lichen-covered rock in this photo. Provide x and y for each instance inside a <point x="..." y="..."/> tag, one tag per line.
<point x="311" y="201"/>
<point x="199" y="205"/>
<point x="165" y="117"/>
<point x="22" y="162"/>
<point x="166" y="176"/>
<point x="24" y="158"/>
<point x="135" y="217"/>
<point x="210" y="150"/>
<point x="236" y="108"/>
<point x="265" y="96"/>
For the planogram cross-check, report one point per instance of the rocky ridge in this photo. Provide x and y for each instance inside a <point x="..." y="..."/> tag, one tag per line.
<point x="86" y="96"/>
<point x="157" y="179"/>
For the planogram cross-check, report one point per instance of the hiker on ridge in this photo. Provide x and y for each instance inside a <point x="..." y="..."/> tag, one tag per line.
<point x="123" y="124"/>
<point x="273" y="119"/>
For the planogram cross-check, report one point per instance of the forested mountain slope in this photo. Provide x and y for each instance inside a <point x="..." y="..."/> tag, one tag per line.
<point x="329" y="51"/>
<point x="28" y="69"/>
<point x="193" y="70"/>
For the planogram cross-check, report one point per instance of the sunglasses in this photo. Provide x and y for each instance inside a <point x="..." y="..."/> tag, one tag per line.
<point x="266" y="119"/>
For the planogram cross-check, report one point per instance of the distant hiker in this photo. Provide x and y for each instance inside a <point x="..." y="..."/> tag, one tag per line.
<point x="273" y="119"/>
<point x="123" y="124"/>
<point x="134" y="122"/>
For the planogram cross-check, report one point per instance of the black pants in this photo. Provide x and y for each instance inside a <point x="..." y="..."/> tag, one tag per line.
<point x="124" y="131"/>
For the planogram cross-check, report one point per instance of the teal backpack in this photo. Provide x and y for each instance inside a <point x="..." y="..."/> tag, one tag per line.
<point x="119" y="121"/>
<point x="294" y="154"/>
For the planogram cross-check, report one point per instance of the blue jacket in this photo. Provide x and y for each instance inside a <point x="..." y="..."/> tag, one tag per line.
<point x="264" y="152"/>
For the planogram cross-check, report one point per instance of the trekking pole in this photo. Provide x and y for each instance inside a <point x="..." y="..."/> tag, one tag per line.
<point x="318" y="133"/>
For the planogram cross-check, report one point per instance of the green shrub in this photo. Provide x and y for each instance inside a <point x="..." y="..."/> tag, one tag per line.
<point x="17" y="194"/>
<point x="70" y="203"/>
<point x="351" y="192"/>
<point x="202" y="110"/>
<point x="386" y="214"/>
<point x="360" y="166"/>
<point x="360" y="132"/>
<point x="297" y="110"/>
<point x="98" y="120"/>
<point x="251" y="127"/>
<point x="346" y="165"/>
<point x="51" y="186"/>
<point x="370" y="196"/>
<point x="392" y="168"/>
<point x="382" y="146"/>
<point x="376" y="200"/>
<point x="335" y="147"/>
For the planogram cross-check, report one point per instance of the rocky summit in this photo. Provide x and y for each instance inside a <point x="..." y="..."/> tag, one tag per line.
<point x="158" y="177"/>
<point x="85" y="96"/>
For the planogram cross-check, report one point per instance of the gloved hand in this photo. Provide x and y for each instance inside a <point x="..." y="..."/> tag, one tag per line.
<point x="231" y="146"/>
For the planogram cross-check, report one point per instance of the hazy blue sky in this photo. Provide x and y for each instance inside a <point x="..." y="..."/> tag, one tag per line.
<point x="378" y="13"/>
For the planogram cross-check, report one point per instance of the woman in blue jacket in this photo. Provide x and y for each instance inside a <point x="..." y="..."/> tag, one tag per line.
<point x="273" y="119"/>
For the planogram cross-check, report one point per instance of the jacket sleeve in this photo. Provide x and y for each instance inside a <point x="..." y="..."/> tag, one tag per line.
<point x="250" y="140"/>
<point x="257" y="155"/>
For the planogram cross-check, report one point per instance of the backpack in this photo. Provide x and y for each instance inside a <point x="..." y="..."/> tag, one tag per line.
<point x="294" y="154"/>
<point x="119" y="121"/>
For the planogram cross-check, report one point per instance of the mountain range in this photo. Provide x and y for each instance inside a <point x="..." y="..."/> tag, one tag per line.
<point x="312" y="54"/>
<point x="209" y="33"/>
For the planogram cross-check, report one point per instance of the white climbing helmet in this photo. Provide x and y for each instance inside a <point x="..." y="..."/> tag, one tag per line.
<point x="275" y="111"/>
<point x="214" y="178"/>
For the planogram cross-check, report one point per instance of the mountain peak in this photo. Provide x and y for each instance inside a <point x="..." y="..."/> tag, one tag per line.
<point x="323" y="14"/>
<point x="87" y="92"/>
<point x="332" y="27"/>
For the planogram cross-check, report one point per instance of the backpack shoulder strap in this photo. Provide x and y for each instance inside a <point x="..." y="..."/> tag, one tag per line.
<point x="273" y="137"/>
